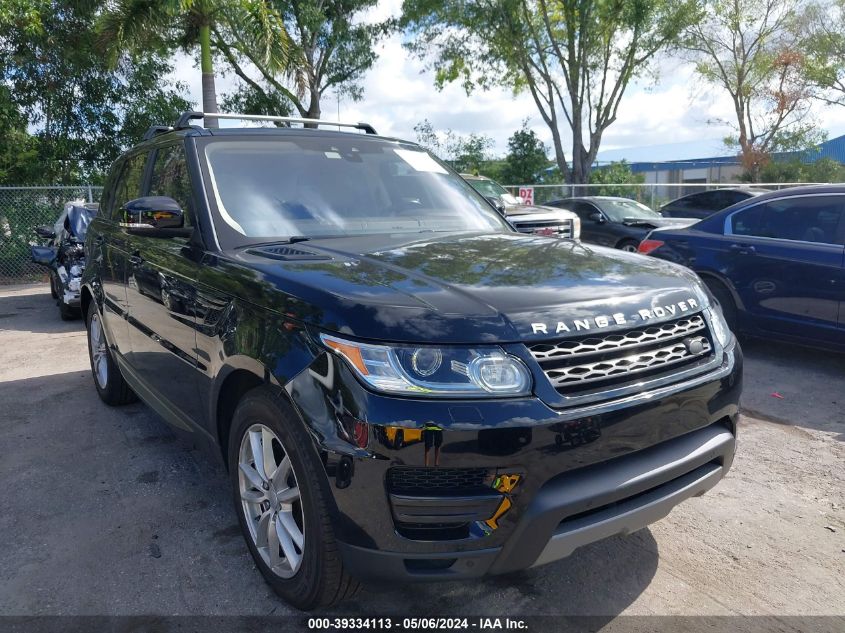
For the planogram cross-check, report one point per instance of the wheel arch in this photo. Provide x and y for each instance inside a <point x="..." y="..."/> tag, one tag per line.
<point x="231" y="389"/>
<point x="712" y="276"/>
<point x="85" y="299"/>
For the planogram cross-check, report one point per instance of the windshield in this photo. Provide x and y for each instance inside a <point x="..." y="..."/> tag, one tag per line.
<point x="488" y="188"/>
<point x="319" y="186"/>
<point x="621" y="210"/>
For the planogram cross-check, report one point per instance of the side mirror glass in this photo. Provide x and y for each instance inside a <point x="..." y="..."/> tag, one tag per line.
<point x="597" y="217"/>
<point x="496" y="201"/>
<point x="155" y="216"/>
<point x="45" y="232"/>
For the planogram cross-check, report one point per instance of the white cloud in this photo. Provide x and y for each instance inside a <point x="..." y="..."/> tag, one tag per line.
<point x="399" y="93"/>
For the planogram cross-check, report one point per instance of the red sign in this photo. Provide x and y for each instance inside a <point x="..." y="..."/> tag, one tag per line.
<point x="527" y="194"/>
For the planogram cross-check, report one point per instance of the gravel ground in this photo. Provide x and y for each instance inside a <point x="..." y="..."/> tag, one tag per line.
<point x="105" y="512"/>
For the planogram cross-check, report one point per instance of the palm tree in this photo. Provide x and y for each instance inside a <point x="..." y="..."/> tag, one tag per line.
<point x="137" y="25"/>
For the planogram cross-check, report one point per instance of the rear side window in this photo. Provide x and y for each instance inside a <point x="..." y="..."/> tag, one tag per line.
<point x="128" y="186"/>
<point x="807" y="219"/>
<point x="170" y="178"/>
<point x="584" y="209"/>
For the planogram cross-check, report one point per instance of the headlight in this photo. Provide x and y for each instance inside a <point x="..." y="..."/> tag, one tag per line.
<point x="576" y="228"/>
<point x="434" y="371"/>
<point x="720" y="327"/>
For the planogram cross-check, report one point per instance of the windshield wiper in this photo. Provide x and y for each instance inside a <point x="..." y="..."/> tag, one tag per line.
<point x="293" y="239"/>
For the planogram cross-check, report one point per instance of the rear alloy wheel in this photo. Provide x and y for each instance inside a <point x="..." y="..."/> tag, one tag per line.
<point x="629" y="246"/>
<point x="111" y="387"/>
<point x="284" y="503"/>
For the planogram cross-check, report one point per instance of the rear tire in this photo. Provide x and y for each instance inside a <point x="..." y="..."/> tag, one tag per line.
<point x="111" y="387"/>
<point x="66" y="312"/>
<point x="726" y="302"/>
<point x="316" y="577"/>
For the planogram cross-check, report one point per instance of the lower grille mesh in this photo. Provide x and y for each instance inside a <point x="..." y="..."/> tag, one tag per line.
<point x="436" y="480"/>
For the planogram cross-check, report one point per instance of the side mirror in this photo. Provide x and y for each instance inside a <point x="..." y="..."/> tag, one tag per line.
<point x="155" y="216"/>
<point x="45" y="232"/>
<point x="597" y="217"/>
<point x="496" y="201"/>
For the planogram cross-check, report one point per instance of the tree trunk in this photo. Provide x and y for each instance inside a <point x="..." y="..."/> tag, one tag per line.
<point x="209" y="93"/>
<point x="560" y="156"/>
<point x="313" y="111"/>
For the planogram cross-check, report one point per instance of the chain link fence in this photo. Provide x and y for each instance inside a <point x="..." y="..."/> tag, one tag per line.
<point x="22" y="209"/>
<point x="652" y="194"/>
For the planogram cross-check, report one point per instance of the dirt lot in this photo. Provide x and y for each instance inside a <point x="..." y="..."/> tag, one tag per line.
<point x="105" y="512"/>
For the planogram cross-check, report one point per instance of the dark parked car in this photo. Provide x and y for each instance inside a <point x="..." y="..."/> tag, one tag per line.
<point x="401" y="385"/>
<point x="703" y="204"/>
<point x="616" y="222"/>
<point x="774" y="262"/>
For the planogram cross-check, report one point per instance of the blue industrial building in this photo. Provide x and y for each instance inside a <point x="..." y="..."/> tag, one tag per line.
<point x="726" y="168"/>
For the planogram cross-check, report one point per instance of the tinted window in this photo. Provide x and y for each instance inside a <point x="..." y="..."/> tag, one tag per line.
<point x="584" y="209"/>
<point x="621" y="210"/>
<point x="487" y="188"/>
<point x="170" y="178"/>
<point x="732" y="197"/>
<point x="808" y="219"/>
<point x="107" y="200"/>
<point x="129" y="182"/>
<point x="331" y="186"/>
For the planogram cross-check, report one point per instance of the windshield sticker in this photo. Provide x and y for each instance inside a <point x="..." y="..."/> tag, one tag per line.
<point x="332" y="155"/>
<point x="420" y="161"/>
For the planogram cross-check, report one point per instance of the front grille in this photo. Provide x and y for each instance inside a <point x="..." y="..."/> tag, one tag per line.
<point x="556" y="227"/>
<point x="409" y="479"/>
<point x="575" y="364"/>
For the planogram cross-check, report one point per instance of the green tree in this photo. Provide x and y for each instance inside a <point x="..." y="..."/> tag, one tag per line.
<point x="18" y="148"/>
<point x="575" y="58"/>
<point x="526" y="158"/>
<point x="80" y="111"/>
<point x="754" y="50"/>
<point x="463" y="153"/>
<point x="615" y="173"/>
<point x="826" y="50"/>
<point x="328" y="47"/>
<point x="795" y="170"/>
<point x="138" y="25"/>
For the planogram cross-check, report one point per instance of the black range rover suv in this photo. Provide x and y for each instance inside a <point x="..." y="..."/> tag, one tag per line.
<point x="400" y="385"/>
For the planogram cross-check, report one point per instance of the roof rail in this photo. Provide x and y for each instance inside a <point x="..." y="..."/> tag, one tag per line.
<point x="155" y="130"/>
<point x="186" y="117"/>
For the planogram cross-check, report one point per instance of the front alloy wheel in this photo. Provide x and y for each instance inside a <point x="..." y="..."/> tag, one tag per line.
<point x="283" y="500"/>
<point x="271" y="501"/>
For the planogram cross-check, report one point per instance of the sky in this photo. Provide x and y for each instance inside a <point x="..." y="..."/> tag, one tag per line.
<point x="669" y="115"/>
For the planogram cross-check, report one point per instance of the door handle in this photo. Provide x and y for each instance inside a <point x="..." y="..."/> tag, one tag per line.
<point x="743" y="249"/>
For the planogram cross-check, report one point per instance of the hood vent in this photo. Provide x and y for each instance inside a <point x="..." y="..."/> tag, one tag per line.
<point x="287" y="253"/>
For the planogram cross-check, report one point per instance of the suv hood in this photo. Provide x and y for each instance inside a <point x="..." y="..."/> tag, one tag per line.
<point x="463" y="288"/>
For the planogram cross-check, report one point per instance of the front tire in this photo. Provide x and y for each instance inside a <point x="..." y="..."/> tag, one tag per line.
<point x="283" y="506"/>
<point x="726" y="302"/>
<point x="111" y="387"/>
<point x="629" y="246"/>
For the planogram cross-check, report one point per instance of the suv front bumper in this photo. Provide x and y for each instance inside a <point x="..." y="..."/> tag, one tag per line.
<point x="581" y="480"/>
